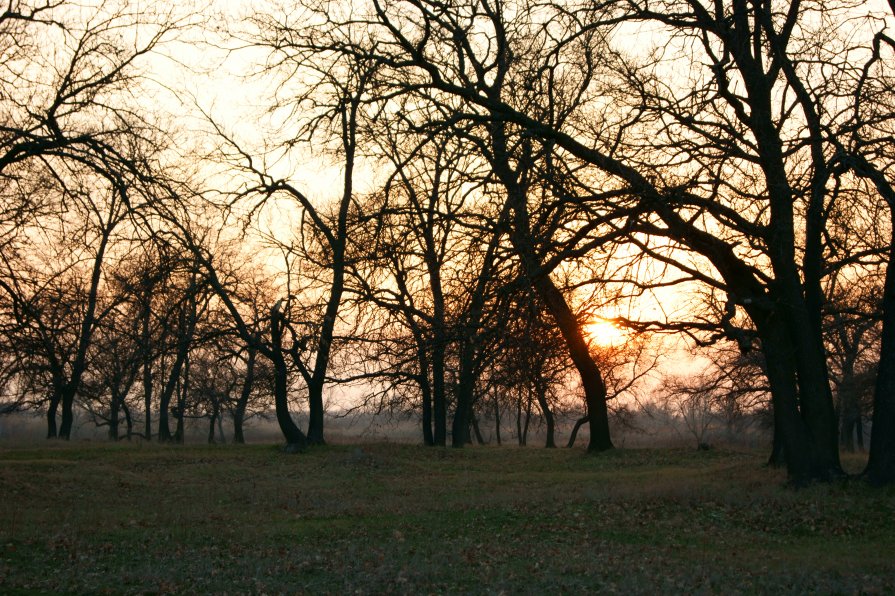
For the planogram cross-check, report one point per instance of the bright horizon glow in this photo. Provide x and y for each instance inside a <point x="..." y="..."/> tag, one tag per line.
<point x="604" y="332"/>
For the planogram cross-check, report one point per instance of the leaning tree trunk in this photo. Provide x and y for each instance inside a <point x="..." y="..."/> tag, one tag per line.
<point x="578" y="424"/>
<point x="553" y="299"/>
<point x="295" y="439"/>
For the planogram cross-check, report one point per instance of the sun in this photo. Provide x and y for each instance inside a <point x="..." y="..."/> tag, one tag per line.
<point x="604" y="332"/>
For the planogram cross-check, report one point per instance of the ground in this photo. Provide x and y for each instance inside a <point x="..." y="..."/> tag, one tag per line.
<point x="381" y="518"/>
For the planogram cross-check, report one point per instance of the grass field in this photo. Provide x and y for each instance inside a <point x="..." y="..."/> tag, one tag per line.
<point x="94" y="518"/>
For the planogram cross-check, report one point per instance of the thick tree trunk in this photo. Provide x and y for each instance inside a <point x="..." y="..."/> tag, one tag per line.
<point x="465" y="387"/>
<point x="806" y="459"/>
<point x="880" y="468"/>
<point x="315" y="412"/>
<point x="68" y="415"/>
<point x="238" y="434"/>
<point x="777" y="459"/>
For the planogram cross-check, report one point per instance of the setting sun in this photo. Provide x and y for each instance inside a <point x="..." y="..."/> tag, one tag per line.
<point x="604" y="332"/>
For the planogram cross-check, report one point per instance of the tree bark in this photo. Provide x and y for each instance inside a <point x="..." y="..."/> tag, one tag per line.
<point x="880" y="468"/>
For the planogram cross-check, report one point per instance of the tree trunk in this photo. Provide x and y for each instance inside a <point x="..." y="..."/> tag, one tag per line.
<point x="52" y="431"/>
<point x="591" y="379"/>
<point x="146" y="342"/>
<point x="295" y="439"/>
<point x="541" y="391"/>
<point x="477" y="430"/>
<point x="578" y="424"/>
<point x="68" y="415"/>
<point x="186" y="325"/>
<point x="426" y="391"/>
<point x="463" y="408"/>
<point x="805" y="458"/>
<point x="183" y="388"/>
<point x="439" y="398"/>
<point x="315" y="412"/>
<point x="527" y="423"/>
<point x="469" y="344"/>
<point x="211" y="421"/>
<point x="880" y="468"/>
<point x="114" y="409"/>
<point x="128" y="420"/>
<point x="245" y="393"/>
<point x="777" y="459"/>
<point x="497" y="416"/>
<point x="521" y="239"/>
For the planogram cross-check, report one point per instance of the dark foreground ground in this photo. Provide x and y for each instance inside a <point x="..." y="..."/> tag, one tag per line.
<point x="88" y="518"/>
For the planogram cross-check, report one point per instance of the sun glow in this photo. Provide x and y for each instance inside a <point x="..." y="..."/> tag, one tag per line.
<point x="604" y="332"/>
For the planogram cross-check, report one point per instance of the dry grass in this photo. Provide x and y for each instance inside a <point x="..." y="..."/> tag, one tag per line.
<point x="397" y="518"/>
